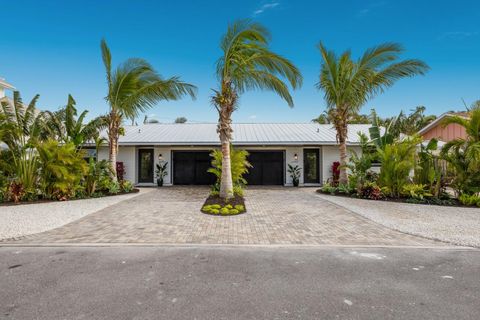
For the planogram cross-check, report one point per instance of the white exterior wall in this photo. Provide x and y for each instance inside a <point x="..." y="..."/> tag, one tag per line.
<point x="332" y="154"/>
<point x="129" y="155"/>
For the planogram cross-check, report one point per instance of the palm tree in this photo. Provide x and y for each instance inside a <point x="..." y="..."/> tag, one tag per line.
<point x="247" y="63"/>
<point x="464" y="154"/>
<point x="133" y="87"/>
<point x="348" y="84"/>
<point x="65" y="126"/>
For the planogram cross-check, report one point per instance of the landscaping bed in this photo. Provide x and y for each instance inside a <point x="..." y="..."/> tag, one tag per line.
<point x="449" y="202"/>
<point x="38" y="201"/>
<point x="214" y="205"/>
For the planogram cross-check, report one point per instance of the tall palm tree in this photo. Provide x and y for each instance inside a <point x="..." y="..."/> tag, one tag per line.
<point x="247" y="63"/>
<point x="133" y="87"/>
<point x="65" y="126"/>
<point x="348" y="84"/>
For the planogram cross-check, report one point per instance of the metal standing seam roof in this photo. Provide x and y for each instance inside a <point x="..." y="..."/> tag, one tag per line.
<point x="243" y="134"/>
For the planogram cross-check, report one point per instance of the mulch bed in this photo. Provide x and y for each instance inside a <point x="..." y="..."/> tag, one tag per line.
<point x="455" y="202"/>
<point x="11" y="204"/>
<point x="236" y="200"/>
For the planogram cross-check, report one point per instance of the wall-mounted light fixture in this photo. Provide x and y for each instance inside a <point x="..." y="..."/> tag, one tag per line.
<point x="160" y="157"/>
<point x="295" y="156"/>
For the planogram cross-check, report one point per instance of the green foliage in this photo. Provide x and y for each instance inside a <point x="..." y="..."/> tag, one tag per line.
<point x="463" y="155"/>
<point x="239" y="207"/>
<point x="133" y="87"/>
<point x="328" y="188"/>
<point x="349" y="83"/>
<point x="344" y="188"/>
<point x="370" y="190"/>
<point x="161" y="170"/>
<point x="397" y="160"/>
<point x="62" y="169"/>
<point x="360" y="165"/>
<point x="233" y="211"/>
<point x="294" y="172"/>
<point x="126" y="186"/>
<point x="470" y="200"/>
<point x="416" y="191"/>
<point x="97" y="170"/>
<point x="65" y="126"/>
<point x="215" y="211"/>
<point x="427" y="171"/>
<point x="114" y="187"/>
<point x="239" y="167"/>
<point x="224" y="210"/>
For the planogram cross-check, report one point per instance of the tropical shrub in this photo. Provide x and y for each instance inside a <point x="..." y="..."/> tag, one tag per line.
<point x="335" y="172"/>
<point x="62" y="169"/>
<point x="294" y="172"/>
<point x="113" y="187"/>
<point x="16" y="191"/>
<point x="239" y="207"/>
<point x="370" y="190"/>
<point x="398" y="160"/>
<point x="239" y="167"/>
<point x="96" y="171"/>
<point x="120" y="169"/>
<point x="427" y="171"/>
<point x="328" y="188"/>
<point x="360" y="165"/>
<point x="415" y="191"/>
<point x="126" y="186"/>
<point x="469" y="200"/>
<point x="344" y="188"/>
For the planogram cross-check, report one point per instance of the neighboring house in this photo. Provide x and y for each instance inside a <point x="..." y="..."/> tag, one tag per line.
<point x="437" y="130"/>
<point x="272" y="146"/>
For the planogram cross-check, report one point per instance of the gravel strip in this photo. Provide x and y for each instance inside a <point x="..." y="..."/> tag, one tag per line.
<point x="26" y="219"/>
<point x="456" y="225"/>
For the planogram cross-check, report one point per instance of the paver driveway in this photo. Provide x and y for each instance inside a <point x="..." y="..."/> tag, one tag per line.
<point x="275" y="216"/>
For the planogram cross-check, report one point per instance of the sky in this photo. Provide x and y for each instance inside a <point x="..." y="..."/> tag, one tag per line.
<point x="53" y="48"/>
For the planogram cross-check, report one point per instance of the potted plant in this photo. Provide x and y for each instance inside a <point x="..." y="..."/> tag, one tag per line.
<point x="161" y="172"/>
<point x="294" y="174"/>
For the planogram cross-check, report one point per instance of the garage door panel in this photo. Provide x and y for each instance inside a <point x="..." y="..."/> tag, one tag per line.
<point x="191" y="168"/>
<point x="268" y="168"/>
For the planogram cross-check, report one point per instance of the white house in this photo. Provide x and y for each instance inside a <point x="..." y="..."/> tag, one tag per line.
<point x="272" y="146"/>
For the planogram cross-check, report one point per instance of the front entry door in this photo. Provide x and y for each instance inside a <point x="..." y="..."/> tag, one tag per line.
<point x="145" y="165"/>
<point x="311" y="172"/>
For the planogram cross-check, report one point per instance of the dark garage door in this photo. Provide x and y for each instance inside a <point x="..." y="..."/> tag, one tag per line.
<point x="267" y="168"/>
<point x="190" y="167"/>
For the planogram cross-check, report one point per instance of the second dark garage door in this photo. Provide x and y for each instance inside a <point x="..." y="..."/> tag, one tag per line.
<point x="190" y="167"/>
<point x="268" y="168"/>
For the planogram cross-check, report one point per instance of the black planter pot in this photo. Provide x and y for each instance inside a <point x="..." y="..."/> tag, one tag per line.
<point x="295" y="183"/>
<point x="159" y="182"/>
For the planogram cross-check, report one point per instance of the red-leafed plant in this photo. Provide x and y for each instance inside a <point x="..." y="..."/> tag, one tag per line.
<point x="16" y="191"/>
<point x="335" y="172"/>
<point x="120" y="171"/>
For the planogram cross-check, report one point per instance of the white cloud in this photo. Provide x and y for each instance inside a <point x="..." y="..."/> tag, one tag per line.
<point x="266" y="7"/>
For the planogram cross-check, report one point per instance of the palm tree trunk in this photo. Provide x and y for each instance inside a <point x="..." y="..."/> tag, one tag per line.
<point x="342" y="137"/>
<point x="226" y="183"/>
<point x="113" y="129"/>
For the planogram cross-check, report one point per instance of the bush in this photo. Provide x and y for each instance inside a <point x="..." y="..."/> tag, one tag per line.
<point x="62" y="168"/>
<point x="216" y="206"/>
<point x="224" y="211"/>
<point x="113" y="187"/>
<point x="344" y="188"/>
<point x="234" y="211"/>
<point x="239" y="166"/>
<point x="16" y="191"/>
<point x="371" y="190"/>
<point x="214" y="211"/>
<point x="239" y="207"/>
<point x="415" y="191"/>
<point x="328" y="188"/>
<point x="126" y="186"/>
<point x="469" y="200"/>
<point x="397" y="160"/>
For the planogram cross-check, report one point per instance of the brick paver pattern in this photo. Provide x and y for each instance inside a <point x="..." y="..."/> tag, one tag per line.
<point x="171" y="215"/>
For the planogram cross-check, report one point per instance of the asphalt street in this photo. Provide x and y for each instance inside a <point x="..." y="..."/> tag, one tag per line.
<point x="137" y="282"/>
